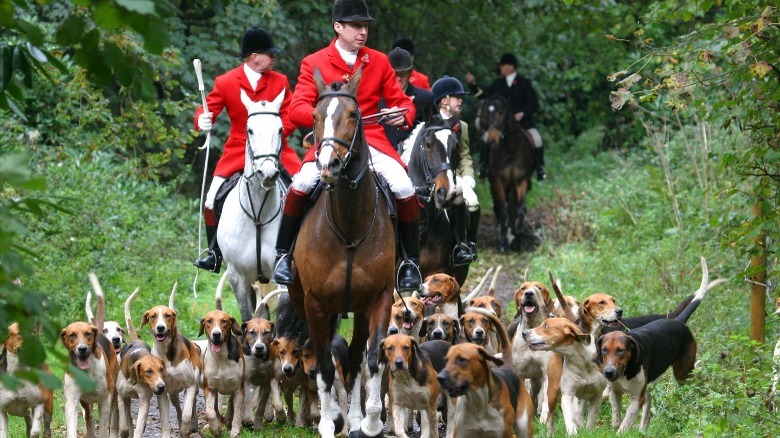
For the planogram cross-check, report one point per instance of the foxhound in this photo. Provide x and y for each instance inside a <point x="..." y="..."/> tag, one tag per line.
<point x="223" y="370"/>
<point x="183" y="365"/>
<point x="26" y="396"/>
<point x="492" y="402"/>
<point x="413" y="383"/>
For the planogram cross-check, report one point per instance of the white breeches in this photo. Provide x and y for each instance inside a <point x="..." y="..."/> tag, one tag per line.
<point x="216" y="183"/>
<point x="536" y="136"/>
<point x="387" y="167"/>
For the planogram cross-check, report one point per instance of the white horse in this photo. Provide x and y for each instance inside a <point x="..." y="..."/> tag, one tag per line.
<point x="254" y="205"/>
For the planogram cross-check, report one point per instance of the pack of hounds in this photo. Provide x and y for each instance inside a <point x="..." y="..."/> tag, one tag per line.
<point x="448" y="360"/>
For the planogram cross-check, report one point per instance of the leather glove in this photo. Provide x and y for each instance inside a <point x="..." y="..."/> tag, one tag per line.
<point x="204" y="122"/>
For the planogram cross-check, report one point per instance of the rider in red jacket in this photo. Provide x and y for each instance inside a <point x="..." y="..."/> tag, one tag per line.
<point x="337" y="62"/>
<point x="257" y="77"/>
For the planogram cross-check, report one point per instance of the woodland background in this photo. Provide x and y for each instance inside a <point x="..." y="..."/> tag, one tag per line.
<point x="660" y="120"/>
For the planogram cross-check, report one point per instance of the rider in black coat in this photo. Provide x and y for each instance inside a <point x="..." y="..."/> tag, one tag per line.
<point x="401" y="61"/>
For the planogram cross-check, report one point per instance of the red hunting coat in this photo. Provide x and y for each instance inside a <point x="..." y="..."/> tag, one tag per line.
<point x="226" y="94"/>
<point x="378" y="81"/>
<point x="420" y="80"/>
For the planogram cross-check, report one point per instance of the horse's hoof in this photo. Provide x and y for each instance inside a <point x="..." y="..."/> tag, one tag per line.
<point x="338" y="424"/>
<point x="371" y="429"/>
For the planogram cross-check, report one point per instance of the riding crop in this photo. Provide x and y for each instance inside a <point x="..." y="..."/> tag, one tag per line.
<point x="199" y="74"/>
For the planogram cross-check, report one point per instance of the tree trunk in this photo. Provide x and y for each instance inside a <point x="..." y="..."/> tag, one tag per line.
<point x="758" y="283"/>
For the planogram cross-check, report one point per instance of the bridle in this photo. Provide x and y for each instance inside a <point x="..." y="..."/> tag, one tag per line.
<point x="425" y="192"/>
<point x="274" y="158"/>
<point x="331" y="141"/>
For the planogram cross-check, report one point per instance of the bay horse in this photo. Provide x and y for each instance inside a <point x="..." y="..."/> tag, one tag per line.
<point x="509" y="168"/>
<point x="427" y="154"/>
<point x="252" y="211"/>
<point x="345" y="257"/>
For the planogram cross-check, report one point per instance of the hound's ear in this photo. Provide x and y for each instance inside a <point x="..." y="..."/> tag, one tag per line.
<point x="145" y="319"/>
<point x="95" y="334"/>
<point x="62" y="338"/>
<point x="489" y="357"/>
<point x="599" y="359"/>
<point x="548" y="299"/>
<point x="634" y="350"/>
<point x="234" y="327"/>
<point x="243" y="328"/>
<point x="275" y="342"/>
<point x="202" y="327"/>
<point x="382" y="358"/>
<point x="135" y="372"/>
<point x="456" y="287"/>
<point x="273" y="329"/>
<point x="456" y="329"/>
<point x="423" y="328"/>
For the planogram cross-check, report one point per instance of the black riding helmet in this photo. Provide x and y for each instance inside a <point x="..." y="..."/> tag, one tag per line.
<point x="447" y="86"/>
<point x="257" y="40"/>
<point x="347" y="11"/>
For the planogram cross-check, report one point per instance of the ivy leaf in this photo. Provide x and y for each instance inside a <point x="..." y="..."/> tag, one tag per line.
<point x="48" y="380"/>
<point x="32" y="352"/>
<point x="70" y="31"/>
<point x="145" y="7"/>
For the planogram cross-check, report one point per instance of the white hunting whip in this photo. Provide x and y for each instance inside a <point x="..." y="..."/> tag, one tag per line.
<point x="199" y="74"/>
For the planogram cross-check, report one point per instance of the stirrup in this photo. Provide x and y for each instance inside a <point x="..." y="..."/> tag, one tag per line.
<point x="411" y="281"/>
<point x="462" y="254"/>
<point x="209" y="262"/>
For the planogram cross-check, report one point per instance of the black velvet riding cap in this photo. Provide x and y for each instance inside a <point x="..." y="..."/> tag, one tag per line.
<point x="257" y="40"/>
<point x="350" y="11"/>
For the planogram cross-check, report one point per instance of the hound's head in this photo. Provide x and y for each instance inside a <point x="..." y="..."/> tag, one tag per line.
<point x="601" y="308"/>
<point x="615" y="352"/>
<point x="80" y="339"/>
<point x="467" y="365"/>
<point x="439" y="288"/>
<point x="258" y="333"/>
<point x="406" y="316"/>
<point x="219" y="327"/>
<point x="162" y="322"/>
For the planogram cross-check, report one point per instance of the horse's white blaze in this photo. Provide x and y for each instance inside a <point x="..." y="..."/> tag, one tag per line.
<point x="329" y="131"/>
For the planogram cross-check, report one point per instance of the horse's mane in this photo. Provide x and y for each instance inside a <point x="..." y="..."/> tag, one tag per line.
<point x="408" y="144"/>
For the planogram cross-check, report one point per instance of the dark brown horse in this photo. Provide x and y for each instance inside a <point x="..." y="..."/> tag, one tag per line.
<point x="509" y="169"/>
<point x="427" y="155"/>
<point x="345" y="256"/>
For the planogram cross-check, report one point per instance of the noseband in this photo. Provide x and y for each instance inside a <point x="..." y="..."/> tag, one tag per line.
<point x="274" y="158"/>
<point x="349" y="145"/>
<point x="426" y="192"/>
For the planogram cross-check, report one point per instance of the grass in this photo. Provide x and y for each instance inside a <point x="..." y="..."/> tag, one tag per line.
<point x="606" y="222"/>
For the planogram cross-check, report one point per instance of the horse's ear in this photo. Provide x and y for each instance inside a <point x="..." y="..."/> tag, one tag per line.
<point x="352" y="85"/>
<point x="245" y="99"/>
<point x="318" y="81"/>
<point x="277" y="102"/>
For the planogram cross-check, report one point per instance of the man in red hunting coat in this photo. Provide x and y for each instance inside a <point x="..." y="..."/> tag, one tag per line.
<point x="258" y="79"/>
<point x="338" y="62"/>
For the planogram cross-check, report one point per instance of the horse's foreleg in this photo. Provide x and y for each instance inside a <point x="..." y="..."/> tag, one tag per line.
<point x="242" y="289"/>
<point x="357" y="351"/>
<point x="371" y="425"/>
<point x="321" y="335"/>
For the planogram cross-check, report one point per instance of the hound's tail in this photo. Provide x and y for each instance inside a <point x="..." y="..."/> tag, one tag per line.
<point x="218" y="293"/>
<point x="100" y="318"/>
<point x="129" y="318"/>
<point x="503" y="338"/>
<point x="705" y="287"/>
<point x="172" y="295"/>
<point x="260" y="308"/>
<point x="88" y="308"/>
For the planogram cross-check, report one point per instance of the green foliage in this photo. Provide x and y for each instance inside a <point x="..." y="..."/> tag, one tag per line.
<point x="716" y="62"/>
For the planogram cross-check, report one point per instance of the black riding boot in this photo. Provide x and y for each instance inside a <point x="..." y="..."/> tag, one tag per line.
<point x="212" y="259"/>
<point x="539" y="161"/>
<point x="472" y="231"/>
<point x="409" y="278"/>
<point x="461" y="253"/>
<point x="288" y="229"/>
<point x="292" y="217"/>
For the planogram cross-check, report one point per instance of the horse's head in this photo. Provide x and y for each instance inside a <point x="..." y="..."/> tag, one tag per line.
<point x="429" y="160"/>
<point x="492" y="116"/>
<point x="263" y="138"/>
<point x="337" y="125"/>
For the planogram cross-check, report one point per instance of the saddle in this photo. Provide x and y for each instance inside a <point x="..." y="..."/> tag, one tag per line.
<point x="381" y="183"/>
